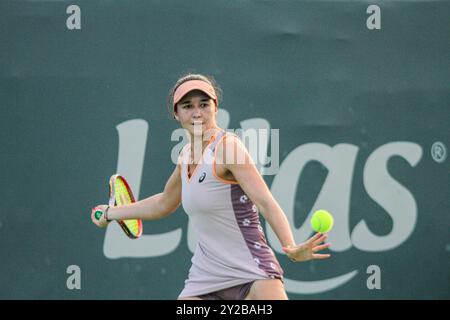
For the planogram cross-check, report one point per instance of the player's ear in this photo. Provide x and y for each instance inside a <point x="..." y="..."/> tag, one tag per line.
<point x="175" y="115"/>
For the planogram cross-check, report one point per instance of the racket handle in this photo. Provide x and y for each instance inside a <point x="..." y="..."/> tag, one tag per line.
<point x="98" y="214"/>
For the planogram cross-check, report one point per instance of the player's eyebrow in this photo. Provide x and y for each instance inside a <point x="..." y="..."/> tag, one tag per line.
<point x="189" y="101"/>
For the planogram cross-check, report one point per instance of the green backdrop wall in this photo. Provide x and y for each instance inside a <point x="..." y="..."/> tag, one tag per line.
<point x="357" y="89"/>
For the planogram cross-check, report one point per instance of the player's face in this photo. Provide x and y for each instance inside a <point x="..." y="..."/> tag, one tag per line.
<point x="196" y="111"/>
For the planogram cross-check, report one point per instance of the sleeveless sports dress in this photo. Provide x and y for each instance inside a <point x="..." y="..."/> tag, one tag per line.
<point x="231" y="248"/>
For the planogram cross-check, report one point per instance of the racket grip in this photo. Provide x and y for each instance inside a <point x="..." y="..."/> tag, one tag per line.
<point x="98" y="214"/>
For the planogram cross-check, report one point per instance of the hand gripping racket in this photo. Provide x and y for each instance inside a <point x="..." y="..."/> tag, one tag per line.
<point x="120" y="194"/>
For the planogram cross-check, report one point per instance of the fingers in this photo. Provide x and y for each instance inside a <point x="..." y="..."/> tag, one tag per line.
<point x="320" y="239"/>
<point x="98" y="222"/>
<point x="318" y="256"/>
<point x="315" y="237"/>
<point x="321" y="256"/>
<point x="321" y="247"/>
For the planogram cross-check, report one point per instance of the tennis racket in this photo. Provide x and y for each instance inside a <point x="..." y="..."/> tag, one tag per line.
<point x="120" y="194"/>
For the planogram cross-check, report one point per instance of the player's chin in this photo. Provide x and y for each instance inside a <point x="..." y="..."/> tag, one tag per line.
<point x="189" y="129"/>
<point x="197" y="130"/>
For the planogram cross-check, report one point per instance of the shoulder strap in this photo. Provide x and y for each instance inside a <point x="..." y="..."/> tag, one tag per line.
<point x="213" y="145"/>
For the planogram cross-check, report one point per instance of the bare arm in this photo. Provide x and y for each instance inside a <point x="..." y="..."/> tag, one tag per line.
<point x="254" y="186"/>
<point x="155" y="207"/>
<point x="240" y="164"/>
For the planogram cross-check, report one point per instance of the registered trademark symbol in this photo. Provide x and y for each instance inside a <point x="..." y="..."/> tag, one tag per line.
<point x="438" y="152"/>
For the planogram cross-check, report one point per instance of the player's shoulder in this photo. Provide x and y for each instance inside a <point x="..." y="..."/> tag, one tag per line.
<point x="231" y="150"/>
<point x="234" y="138"/>
<point x="230" y="140"/>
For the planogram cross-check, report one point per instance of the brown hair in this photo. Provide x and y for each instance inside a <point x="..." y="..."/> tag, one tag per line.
<point x="187" y="77"/>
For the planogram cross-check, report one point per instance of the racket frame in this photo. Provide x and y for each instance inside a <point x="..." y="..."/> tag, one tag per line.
<point x="113" y="203"/>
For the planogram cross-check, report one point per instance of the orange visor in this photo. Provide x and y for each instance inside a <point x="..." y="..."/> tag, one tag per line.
<point x="190" y="85"/>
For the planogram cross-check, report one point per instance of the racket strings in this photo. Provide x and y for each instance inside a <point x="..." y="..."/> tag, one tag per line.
<point x="122" y="198"/>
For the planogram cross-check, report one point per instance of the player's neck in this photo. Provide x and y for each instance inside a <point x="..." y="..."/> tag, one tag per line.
<point x="200" y="142"/>
<point x="204" y="137"/>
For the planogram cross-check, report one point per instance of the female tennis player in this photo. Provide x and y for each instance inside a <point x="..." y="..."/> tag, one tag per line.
<point x="222" y="192"/>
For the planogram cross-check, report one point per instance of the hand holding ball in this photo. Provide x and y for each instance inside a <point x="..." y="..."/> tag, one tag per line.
<point x="322" y="221"/>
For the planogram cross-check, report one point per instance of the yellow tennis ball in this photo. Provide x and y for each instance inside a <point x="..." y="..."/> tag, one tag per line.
<point x="322" y="221"/>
